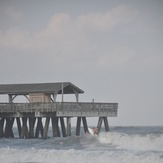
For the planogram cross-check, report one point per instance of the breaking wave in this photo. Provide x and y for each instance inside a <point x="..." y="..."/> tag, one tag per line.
<point x="145" y="142"/>
<point x="123" y="145"/>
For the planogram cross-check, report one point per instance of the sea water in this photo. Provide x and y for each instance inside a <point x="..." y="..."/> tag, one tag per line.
<point x="120" y="145"/>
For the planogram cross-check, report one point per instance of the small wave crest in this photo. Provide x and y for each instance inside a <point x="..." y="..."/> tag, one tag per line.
<point x="133" y="142"/>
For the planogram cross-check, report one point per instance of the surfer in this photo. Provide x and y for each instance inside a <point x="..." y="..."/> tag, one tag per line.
<point x="95" y="130"/>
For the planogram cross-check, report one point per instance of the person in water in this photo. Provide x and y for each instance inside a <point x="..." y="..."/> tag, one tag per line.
<point x="95" y="130"/>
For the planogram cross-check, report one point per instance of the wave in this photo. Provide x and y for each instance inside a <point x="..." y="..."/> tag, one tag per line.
<point x="9" y="155"/>
<point x="145" y="142"/>
<point x="114" y="147"/>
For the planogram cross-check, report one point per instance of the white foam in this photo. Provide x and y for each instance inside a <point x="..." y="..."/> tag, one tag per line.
<point x="107" y="147"/>
<point x="72" y="155"/>
<point x="133" y="142"/>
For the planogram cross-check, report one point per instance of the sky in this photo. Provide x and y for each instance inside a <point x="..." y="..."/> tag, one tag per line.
<point x="111" y="49"/>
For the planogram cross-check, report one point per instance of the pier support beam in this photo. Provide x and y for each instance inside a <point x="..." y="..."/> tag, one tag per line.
<point x="55" y="127"/>
<point x="63" y="127"/>
<point x="39" y="128"/>
<point x="78" y="126"/>
<point x="68" y="126"/>
<point x="99" y="123"/>
<point x="1" y="127"/>
<point x="8" y="128"/>
<point x="31" y="126"/>
<point x="46" y="127"/>
<point x="18" y="126"/>
<point x="85" y="124"/>
<point x="106" y="124"/>
<point x="24" y="129"/>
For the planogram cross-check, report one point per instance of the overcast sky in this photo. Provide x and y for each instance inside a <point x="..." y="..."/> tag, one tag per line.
<point x="111" y="49"/>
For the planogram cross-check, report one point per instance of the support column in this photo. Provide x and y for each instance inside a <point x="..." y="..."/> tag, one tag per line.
<point x="1" y="127"/>
<point x="55" y="127"/>
<point x="63" y="127"/>
<point x="68" y="126"/>
<point x="77" y="96"/>
<point x="39" y="128"/>
<point x="106" y="124"/>
<point x="8" y="128"/>
<point x="46" y="127"/>
<point x="31" y="126"/>
<point x="78" y="126"/>
<point x="10" y="98"/>
<point x="99" y="123"/>
<point x="24" y="130"/>
<point x="85" y="124"/>
<point x="55" y="96"/>
<point x="11" y="125"/>
<point x="18" y="126"/>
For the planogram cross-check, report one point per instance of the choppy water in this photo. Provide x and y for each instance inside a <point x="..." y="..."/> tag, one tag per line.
<point x="121" y="144"/>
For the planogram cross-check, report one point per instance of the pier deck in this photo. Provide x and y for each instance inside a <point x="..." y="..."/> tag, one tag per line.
<point x="58" y="109"/>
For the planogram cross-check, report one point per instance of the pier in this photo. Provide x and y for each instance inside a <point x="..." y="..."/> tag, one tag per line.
<point x="42" y="104"/>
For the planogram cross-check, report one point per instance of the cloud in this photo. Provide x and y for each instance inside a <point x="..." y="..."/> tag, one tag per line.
<point x="66" y="39"/>
<point x="119" y="55"/>
<point x="14" y="38"/>
<point x="103" y="21"/>
<point x="63" y="28"/>
<point x="11" y="12"/>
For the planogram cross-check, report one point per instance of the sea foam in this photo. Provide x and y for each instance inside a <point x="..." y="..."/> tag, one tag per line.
<point x="133" y="141"/>
<point x="120" y="145"/>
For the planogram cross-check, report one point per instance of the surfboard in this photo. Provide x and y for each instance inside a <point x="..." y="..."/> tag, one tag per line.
<point x="91" y="131"/>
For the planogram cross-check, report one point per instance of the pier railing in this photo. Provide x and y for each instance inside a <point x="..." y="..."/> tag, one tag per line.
<point x="60" y="109"/>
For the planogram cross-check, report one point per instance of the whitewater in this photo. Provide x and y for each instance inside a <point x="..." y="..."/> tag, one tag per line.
<point x="120" y="145"/>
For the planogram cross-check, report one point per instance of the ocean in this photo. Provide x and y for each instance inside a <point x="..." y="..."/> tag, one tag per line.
<point x="120" y="145"/>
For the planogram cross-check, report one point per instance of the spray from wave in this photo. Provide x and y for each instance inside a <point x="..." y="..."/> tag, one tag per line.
<point x="133" y="141"/>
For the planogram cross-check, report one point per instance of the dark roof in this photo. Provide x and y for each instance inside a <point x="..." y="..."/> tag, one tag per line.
<point x="25" y="89"/>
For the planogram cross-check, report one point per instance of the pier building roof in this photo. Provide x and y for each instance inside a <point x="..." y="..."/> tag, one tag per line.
<point x="25" y="89"/>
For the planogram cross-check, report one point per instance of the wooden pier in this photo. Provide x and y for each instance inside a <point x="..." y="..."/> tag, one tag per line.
<point x="42" y="105"/>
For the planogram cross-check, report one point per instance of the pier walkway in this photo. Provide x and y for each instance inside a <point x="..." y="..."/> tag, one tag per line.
<point x="58" y="109"/>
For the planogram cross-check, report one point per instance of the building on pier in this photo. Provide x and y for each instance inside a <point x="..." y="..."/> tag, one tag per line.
<point x="42" y="103"/>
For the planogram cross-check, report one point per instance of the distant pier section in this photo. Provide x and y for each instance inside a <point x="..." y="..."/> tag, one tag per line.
<point x="41" y="104"/>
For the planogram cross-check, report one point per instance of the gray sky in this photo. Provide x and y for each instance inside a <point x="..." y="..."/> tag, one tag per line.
<point x="113" y="50"/>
